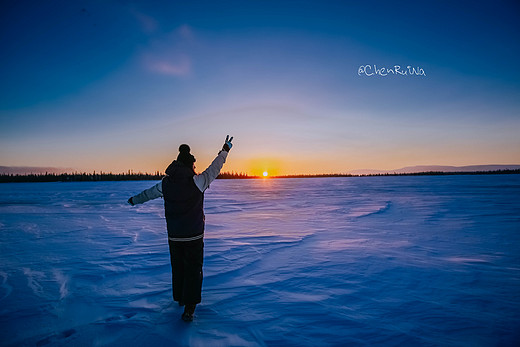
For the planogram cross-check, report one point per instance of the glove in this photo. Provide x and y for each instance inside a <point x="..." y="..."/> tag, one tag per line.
<point x="227" y="146"/>
<point x="131" y="201"/>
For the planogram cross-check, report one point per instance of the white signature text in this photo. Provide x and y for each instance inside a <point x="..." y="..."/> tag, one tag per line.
<point x="374" y="70"/>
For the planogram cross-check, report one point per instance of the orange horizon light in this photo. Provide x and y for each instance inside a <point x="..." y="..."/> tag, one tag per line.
<point x="264" y="166"/>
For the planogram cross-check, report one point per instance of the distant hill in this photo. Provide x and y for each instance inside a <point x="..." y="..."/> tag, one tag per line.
<point x="437" y="168"/>
<point x="23" y="170"/>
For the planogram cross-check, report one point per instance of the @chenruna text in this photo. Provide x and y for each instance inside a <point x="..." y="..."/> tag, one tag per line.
<point x="396" y="70"/>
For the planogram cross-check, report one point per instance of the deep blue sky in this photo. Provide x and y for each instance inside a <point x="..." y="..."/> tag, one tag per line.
<point x="119" y="85"/>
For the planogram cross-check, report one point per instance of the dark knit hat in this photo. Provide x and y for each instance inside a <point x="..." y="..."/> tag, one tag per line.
<point x="184" y="155"/>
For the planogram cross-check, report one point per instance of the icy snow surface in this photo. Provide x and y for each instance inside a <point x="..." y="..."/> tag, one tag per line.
<point x="373" y="261"/>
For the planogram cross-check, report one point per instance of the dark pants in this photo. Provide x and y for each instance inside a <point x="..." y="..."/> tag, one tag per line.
<point x="186" y="259"/>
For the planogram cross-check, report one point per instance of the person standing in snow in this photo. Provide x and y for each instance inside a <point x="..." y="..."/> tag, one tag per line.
<point x="183" y="193"/>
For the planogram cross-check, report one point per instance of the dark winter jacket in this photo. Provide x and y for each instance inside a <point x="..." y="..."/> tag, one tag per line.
<point x="183" y="203"/>
<point x="183" y="198"/>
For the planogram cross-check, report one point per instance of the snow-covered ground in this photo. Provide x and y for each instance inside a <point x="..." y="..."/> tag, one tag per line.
<point x="375" y="261"/>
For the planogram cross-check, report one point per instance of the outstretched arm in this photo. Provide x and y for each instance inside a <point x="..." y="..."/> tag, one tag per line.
<point x="147" y="195"/>
<point x="203" y="180"/>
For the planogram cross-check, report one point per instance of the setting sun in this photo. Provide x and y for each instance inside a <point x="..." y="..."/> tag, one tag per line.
<point x="265" y="173"/>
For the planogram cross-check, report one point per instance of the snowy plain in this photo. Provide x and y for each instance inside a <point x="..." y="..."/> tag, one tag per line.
<point x="368" y="261"/>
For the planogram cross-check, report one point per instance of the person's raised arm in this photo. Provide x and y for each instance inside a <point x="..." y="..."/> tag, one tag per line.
<point x="147" y="195"/>
<point x="203" y="180"/>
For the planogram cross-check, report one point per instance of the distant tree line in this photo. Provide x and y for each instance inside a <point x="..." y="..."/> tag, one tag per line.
<point x="443" y="173"/>
<point x="98" y="176"/>
<point x="311" y="175"/>
<point x="80" y="177"/>
<point x="131" y="176"/>
<point x="426" y="173"/>
<point x="233" y="175"/>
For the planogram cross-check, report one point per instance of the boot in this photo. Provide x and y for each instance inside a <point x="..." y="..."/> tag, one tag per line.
<point x="189" y="309"/>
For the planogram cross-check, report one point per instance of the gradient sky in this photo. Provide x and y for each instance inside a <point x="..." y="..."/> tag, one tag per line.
<point x="117" y="85"/>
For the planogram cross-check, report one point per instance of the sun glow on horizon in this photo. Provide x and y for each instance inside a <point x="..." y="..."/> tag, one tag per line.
<point x="264" y="166"/>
